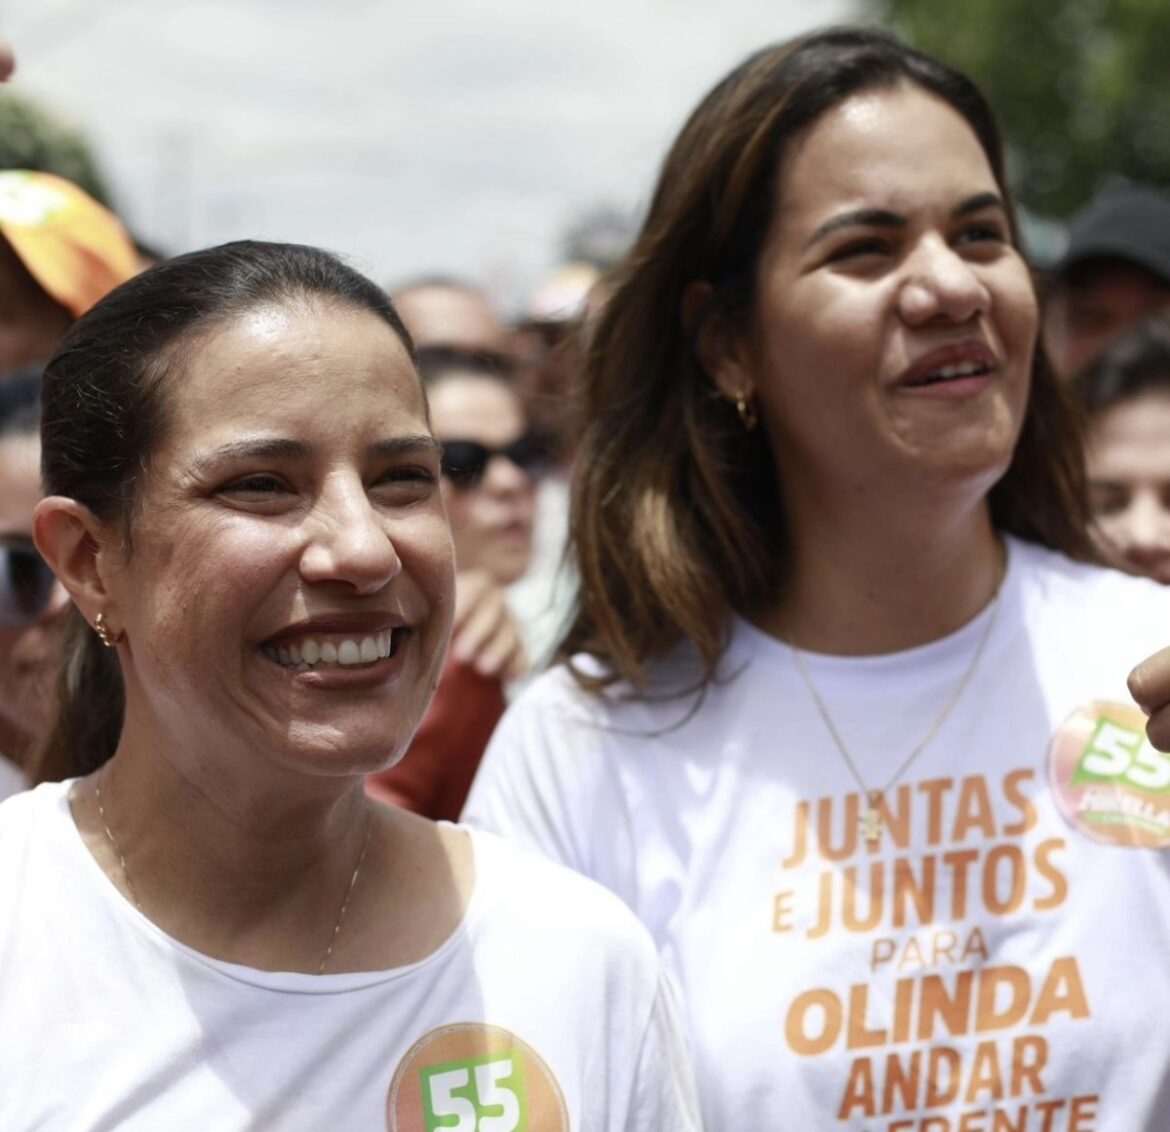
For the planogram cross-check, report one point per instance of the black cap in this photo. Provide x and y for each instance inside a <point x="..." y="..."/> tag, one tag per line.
<point x="1126" y="222"/>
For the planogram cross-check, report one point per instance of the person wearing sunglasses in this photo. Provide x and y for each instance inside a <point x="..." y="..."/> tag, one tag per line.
<point x="31" y="600"/>
<point x="491" y="464"/>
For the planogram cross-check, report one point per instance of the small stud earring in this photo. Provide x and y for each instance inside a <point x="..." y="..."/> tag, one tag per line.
<point x="746" y="410"/>
<point x="107" y="637"/>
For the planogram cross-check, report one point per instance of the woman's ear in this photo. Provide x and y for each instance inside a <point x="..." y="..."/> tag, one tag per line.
<point x="81" y="550"/>
<point x="718" y="345"/>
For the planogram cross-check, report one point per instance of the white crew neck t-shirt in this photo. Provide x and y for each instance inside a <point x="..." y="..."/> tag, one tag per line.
<point x="545" y="1009"/>
<point x="999" y="961"/>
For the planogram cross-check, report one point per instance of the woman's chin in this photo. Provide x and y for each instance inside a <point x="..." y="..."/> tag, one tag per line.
<point x="327" y="754"/>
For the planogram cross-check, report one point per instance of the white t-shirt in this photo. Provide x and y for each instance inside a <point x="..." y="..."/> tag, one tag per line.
<point x="544" y="1010"/>
<point x="998" y="962"/>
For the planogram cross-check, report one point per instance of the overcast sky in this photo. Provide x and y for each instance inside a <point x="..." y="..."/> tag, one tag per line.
<point x="433" y="135"/>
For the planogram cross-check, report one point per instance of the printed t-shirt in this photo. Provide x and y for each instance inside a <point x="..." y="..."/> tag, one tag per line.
<point x="544" y="1010"/>
<point x="996" y="962"/>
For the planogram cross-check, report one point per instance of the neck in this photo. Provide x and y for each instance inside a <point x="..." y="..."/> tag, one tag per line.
<point x="885" y="581"/>
<point x="260" y="884"/>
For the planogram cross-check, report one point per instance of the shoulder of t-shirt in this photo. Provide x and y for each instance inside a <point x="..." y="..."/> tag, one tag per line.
<point x="1049" y="577"/>
<point x="544" y="897"/>
<point x="673" y="683"/>
<point x="20" y="812"/>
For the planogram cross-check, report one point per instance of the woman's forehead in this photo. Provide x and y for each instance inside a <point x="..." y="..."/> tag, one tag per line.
<point x="892" y="146"/>
<point x="271" y="353"/>
<point x="314" y="376"/>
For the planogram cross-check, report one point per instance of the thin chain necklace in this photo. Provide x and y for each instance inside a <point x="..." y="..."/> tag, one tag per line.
<point x="870" y="820"/>
<point x="138" y="903"/>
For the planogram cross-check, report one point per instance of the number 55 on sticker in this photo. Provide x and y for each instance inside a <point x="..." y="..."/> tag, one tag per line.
<point x="474" y="1077"/>
<point x="479" y="1094"/>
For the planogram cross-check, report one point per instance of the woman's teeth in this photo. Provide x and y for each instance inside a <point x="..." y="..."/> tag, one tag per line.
<point x="334" y="653"/>
<point x="949" y="373"/>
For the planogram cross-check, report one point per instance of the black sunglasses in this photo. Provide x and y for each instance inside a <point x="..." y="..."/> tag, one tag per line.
<point x="465" y="461"/>
<point x="26" y="583"/>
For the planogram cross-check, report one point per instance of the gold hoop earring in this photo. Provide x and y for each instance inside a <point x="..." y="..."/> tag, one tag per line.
<point x="105" y="635"/>
<point x="746" y="410"/>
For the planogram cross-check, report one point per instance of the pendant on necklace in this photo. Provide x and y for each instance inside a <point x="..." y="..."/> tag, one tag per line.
<point x="870" y="819"/>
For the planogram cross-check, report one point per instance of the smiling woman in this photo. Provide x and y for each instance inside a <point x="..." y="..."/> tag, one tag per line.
<point x="244" y="504"/>
<point x="842" y="711"/>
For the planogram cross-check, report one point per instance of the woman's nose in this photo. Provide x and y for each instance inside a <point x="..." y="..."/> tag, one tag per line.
<point x="941" y="285"/>
<point x="348" y="540"/>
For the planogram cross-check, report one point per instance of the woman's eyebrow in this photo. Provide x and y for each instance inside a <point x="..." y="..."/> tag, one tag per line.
<point x="885" y="218"/>
<point x="281" y="448"/>
<point x="857" y="218"/>
<point x="404" y="445"/>
<point x="978" y="203"/>
<point x="257" y="448"/>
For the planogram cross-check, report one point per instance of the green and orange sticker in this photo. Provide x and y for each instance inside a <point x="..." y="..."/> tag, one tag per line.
<point x="1108" y="780"/>
<point x="470" y="1077"/>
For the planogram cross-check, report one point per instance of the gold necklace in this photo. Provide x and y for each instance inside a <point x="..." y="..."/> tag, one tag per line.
<point x="97" y="783"/>
<point x="870" y="820"/>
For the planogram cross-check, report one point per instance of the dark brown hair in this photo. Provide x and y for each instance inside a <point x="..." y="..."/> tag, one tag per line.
<point x="104" y="412"/>
<point x="676" y="516"/>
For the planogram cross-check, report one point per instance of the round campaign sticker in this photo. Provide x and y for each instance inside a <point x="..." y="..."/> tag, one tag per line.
<point x="1108" y="780"/>
<point x="470" y="1077"/>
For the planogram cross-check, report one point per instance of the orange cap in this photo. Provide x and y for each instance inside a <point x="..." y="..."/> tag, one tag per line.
<point x="75" y="249"/>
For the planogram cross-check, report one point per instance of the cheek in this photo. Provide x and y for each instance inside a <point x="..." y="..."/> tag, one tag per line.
<point x="427" y="551"/>
<point x="198" y="584"/>
<point x="1020" y="308"/>
<point x="208" y="546"/>
<point x="825" y="340"/>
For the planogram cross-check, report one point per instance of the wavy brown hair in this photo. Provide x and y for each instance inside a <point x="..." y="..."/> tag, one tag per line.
<point x="676" y="516"/>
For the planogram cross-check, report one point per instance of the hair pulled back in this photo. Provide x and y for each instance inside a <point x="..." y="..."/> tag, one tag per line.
<point x="104" y="413"/>
<point x="676" y="516"/>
